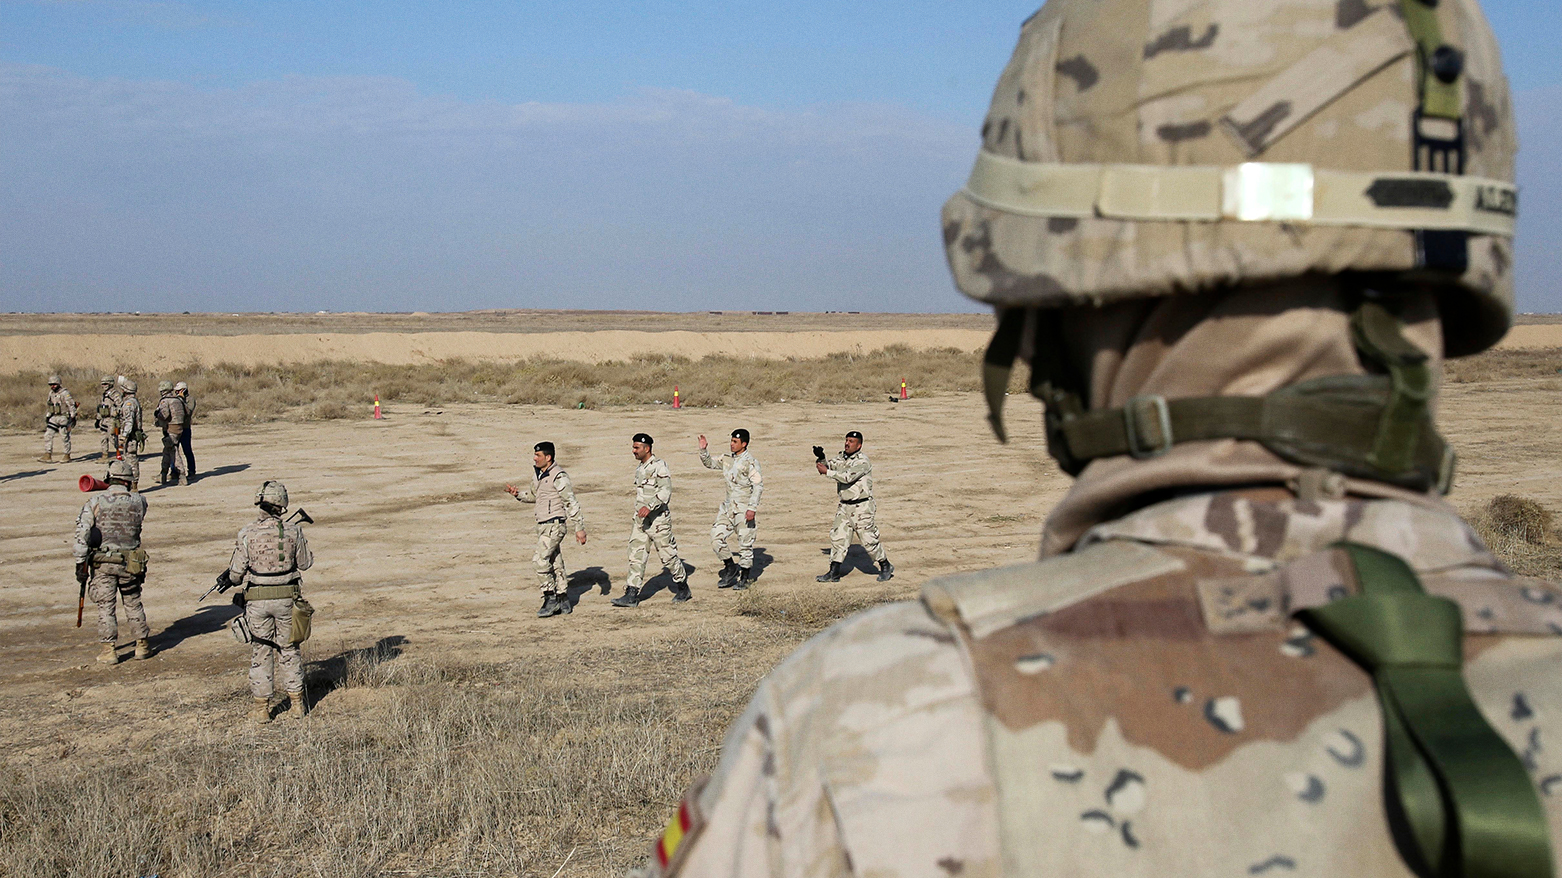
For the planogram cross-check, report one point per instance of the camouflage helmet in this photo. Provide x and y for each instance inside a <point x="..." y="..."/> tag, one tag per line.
<point x="107" y="380"/>
<point x="165" y="387"/>
<point x="272" y="493"/>
<point x="1134" y="151"/>
<point x="128" y="385"/>
<point x="120" y="471"/>
<point x="54" y="379"/>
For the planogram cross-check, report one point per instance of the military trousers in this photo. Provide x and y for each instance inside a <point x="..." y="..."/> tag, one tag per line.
<point x="731" y="519"/>
<point x="548" y="560"/>
<point x="127" y="450"/>
<point x="111" y="583"/>
<point x="855" y="518"/>
<point x="56" y="425"/>
<point x="175" y="464"/>
<point x="272" y="652"/>
<point x="655" y="531"/>
<point x="105" y="441"/>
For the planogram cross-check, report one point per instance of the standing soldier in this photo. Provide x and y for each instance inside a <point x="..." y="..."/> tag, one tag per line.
<point x="107" y="420"/>
<point x="60" y="419"/>
<point x="1258" y="641"/>
<point x="170" y="415"/>
<point x="853" y="476"/>
<point x="268" y="559"/>
<point x="554" y="496"/>
<point x="738" y="509"/>
<point x="111" y="562"/>
<point x="132" y="438"/>
<point x="652" y="527"/>
<point x="183" y="391"/>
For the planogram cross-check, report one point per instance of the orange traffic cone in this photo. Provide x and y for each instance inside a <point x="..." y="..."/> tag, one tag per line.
<point x="377" y="415"/>
<point x="677" y="403"/>
<point x="903" y="388"/>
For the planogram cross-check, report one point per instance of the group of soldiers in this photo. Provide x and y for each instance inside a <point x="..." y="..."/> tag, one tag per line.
<point x="733" y="532"/>
<point x="121" y="432"/>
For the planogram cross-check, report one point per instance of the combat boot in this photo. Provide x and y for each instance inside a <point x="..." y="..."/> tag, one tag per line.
<point x="550" y="606"/>
<point x="143" y="649"/>
<point x="66" y="458"/>
<point x="831" y="575"/>
<point x="109" y="654"/>
<point x="630" y="598"/>
<point x="742" y="580"/>
<point x="46" y="458"/>
<point x="296" y="708"/>
<point x="681" y="592"/>
<point x="886" y="571"/>
<point x="564" y="605"/>
<point x="183" y="481"/>
<point x="260" y="710"/>
<point x="728" y="575"/>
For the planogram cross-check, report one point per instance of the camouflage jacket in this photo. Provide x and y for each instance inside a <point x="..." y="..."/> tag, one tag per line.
<point x="62" y="407"/>
<point x="1141" y="706"/>
<point x="653" y="485"/>
<point x="853" y="475"/>
<point x="129" y="417"/>
<point x="744" y="482"/>
<point x="108" y="410"/>
<point x="110" y="520"/>
<point x="171" y="414"/>
<point x="269" y="551"/>
<point x="554" y="495"/>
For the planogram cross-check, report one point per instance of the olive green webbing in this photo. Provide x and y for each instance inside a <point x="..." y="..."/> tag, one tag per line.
<point x="1463" y="799"/>
<point x="998" y="364"/>
<point x="1438" y="98"/>
<point x="1378" y="338"/>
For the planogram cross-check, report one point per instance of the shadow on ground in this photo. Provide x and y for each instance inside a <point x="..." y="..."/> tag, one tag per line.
<point x="202" y="621"/>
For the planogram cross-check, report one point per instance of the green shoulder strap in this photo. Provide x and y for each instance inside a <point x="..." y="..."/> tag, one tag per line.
<point x="1459" y="800"/>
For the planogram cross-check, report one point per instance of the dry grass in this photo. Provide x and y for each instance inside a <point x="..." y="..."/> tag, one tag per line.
<point x="810" y="610"/>
<point x="1495" y="365"/>
<point x="334" y="389"/>
<point x="1519" y="531"/>
<point x="436" y="769"/>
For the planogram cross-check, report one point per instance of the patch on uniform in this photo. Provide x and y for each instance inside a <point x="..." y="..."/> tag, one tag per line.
<point x="681" y="829"/>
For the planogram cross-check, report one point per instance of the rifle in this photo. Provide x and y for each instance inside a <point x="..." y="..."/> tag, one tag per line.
<point x="301" y="515"/>
<point x="223" y="583"/>
<point x="81" y="597"/>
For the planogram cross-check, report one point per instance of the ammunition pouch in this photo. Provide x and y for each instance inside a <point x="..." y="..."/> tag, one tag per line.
<point x="168" y="442"/>
<point x="303" y="616"/>
<point x="134" y="560"/>
<point x="138" y="436"/>
<point x="239" y="628"/>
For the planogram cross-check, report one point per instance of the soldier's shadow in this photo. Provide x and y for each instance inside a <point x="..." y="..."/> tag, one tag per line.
<point x="203" y="621"/>
<point x="664" y="580"/>
<point x="762" y="559"/>
<point x="27" y="474"/>
<point x="324" y="676"/>
<point x="857" y="558"/>
<point x="582" y="581"/>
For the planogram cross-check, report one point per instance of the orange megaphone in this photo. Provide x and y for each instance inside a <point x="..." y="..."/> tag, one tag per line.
<point x="88" y="484"/>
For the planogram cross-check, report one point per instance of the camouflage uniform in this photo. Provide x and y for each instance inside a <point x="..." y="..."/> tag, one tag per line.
<point x="853" y="476"/>
<point x="171" y="415"/>
<point x="62" y="417"/>
<point x="131" y="433"/>
<point x="108" y="531"/>
<point x="556" y="507"/>
<point x="744" y="486"/>
<point x="653" y="491"/>
<point x="107" y="418"/>
<point x="268" y="558"/>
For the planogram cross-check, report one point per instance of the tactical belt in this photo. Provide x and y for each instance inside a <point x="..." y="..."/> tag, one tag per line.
<point x="559" y="519"/>
<point x="855" y="502"/>
<point x="272" y="592"/>
<point x="111" y="556"/>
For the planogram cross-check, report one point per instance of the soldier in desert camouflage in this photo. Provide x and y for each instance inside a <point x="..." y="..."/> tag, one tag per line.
<point x="739" y="509"/>
<point x="170" y="415"/>
<point x="854" y="510"/>
<point x="652" y="526"/>
<point x="132" y="437"/>
<point x="269" y="558"/>
<point x="110" y="559"/>
<point x="1234" y="241"/>
<point x="61" y="419"/>
<point x="554" y="496"/>
<point x="107" y="419"/>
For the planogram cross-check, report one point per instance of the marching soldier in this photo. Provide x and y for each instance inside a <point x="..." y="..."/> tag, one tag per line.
<point x="652" y="527"/>
<point x="269" y="558"/>
<point x="853" y="477"/>
<point x="132" y="438"/>
<point x="111" y="562"/>
<point x="61" y="419"/>
<point x="1258" y="640"/>
<point x="170" y="416"/>
<point x="107" y="420"/>
<point x="738" y="508"/>
<point x="182" y="390"/>
<point x="554" y="496"/>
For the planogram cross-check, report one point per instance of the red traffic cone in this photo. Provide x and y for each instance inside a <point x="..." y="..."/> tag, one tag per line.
<point x="377" y="415"/>
<point x="903" y="388"/>
<point x="677" y="403"/>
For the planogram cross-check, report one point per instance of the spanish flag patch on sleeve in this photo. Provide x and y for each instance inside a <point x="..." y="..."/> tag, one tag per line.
<point x="681" y="830"/>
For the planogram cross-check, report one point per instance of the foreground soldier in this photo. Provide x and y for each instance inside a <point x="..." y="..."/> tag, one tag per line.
<point x="60" y="419"/>
<point x="1238" y="361"/>
<point x="109" y="557"/>
<point x="738" y="509"/>
<point x="554" y="496"/>
<point x="182" y="390"/>
<point x="170" y="416"/>
<point x="107" y="420"/>
<point x="132" y="438"/>
<point x="854" y="511"/>
<point x="269" y="557"/>
<point x="652" y="527"/>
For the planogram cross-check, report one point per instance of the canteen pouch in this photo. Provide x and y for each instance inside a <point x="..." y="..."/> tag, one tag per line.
<point x="239" y="629"/>
<point x="135" y="562"/>
<point x="303" y="614"/>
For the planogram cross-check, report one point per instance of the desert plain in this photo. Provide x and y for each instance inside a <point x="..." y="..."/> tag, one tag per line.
<point x="452" y="732"/>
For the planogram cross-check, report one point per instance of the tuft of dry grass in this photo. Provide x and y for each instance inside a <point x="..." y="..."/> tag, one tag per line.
<point x="326" y="390"/>
<point x="809" y="610"/>
<point x="1518" y="530"/>
<point x="1501" y="363"/>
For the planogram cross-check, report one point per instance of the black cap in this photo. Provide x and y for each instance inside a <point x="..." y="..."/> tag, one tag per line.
<point x="853" y="434"/>
<point x="740" y="433"/>
<point x="644" y="439"/>
<point x="545" y="448"/>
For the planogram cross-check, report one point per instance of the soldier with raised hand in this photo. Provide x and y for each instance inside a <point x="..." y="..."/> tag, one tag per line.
<point x="61" y="419"/>
<point x="553" y="494"/>
<point x="652" y="526"/>
<point x="170" y="416"/>
<point x="132" y="437"/>
<point x="182" y="390"/>
<point x="739" y="508"/>
<point x="854" y="510"/>
<point x="110" y="560"/>
<point x="268" y="560"/>
<point x="107" y="419"/>
<point x="1235" y="242"/>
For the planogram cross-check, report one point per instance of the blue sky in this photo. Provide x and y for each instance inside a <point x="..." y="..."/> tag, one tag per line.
<point x="161" y="155"/>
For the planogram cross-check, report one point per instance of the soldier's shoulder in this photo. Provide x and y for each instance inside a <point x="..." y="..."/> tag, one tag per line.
<point x="659" y="467"/>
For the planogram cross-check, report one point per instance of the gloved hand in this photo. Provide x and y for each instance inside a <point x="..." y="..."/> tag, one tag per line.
<point x="82" y="570"/>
